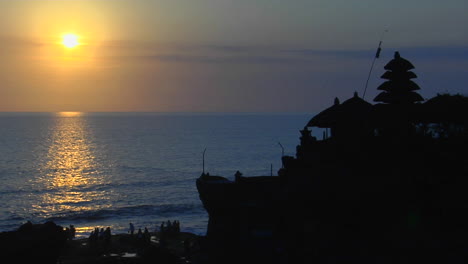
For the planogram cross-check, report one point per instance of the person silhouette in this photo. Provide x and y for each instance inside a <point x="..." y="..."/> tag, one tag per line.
<point x="139" y="234"/>
<point x="72" y="231"/>
<point x="147" y="235"/>
<point x="132" y="229"/>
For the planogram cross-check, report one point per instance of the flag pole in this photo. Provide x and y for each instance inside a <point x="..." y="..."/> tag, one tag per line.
<point x="204" y="161"/>
<point x="377" y="55"/>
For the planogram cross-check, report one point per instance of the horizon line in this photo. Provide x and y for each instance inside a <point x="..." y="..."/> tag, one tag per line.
<point x="157" y="112"/>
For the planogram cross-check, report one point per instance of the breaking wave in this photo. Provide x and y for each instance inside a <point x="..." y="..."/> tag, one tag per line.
<point x="165" y="210"/>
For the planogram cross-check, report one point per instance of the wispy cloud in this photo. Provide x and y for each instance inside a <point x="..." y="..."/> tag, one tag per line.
<point x="244" y="59"/>
<point x="12" y="41"/>
<point x="427" y="52"/>
<point x="438" y="52"/>
<point x="330" y="53"/>
<point x="245" y="54"/>
<point x="232" y="54"/>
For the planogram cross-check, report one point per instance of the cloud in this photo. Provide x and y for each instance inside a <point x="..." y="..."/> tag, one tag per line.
<point x="216" y="59"/>
<point x="318" y="59"/>
<point x="205" y="54"/>
<point x="437" y="52"/>
<point x="426" y="52"/>
<point x="12" y="41"/>
<point x="331" y="53"/>
<point x="232" y="54"/>
<point x="231" y="49"/>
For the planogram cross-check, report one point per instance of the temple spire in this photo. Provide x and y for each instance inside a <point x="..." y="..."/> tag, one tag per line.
<point x="398" y="89"/>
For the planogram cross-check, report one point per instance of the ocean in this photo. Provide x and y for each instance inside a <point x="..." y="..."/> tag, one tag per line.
<point x="109" y="169"/>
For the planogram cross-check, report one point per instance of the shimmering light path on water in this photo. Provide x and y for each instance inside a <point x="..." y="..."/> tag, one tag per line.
<point x="69" y="169"/>
<point x="109" y="169"/>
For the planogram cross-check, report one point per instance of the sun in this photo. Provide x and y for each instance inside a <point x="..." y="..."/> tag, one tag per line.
<point x="70" y="40"/>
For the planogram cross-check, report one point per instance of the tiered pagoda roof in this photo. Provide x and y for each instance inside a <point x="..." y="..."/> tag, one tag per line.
<point x="399" y="88"/>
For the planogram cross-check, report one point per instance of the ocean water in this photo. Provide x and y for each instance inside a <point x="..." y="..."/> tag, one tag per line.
<point x="109" y="169"/>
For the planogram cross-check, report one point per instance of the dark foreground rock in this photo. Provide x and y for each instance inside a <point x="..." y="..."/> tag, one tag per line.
<point x="125" y="248"/>
<point x="41" y="243"/>
<point x="50" y="243"/>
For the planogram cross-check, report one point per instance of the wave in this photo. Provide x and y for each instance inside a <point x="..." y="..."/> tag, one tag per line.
<point x="163" y="210"/>
<point x="142" y="169"/>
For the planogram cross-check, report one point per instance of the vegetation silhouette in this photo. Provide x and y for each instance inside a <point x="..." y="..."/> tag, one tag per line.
<point x="386" y="185"/>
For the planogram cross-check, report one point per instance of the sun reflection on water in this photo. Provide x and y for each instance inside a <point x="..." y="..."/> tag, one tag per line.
<point x="71" y="172"/>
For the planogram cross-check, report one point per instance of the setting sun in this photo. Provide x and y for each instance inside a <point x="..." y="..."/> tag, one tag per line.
<point x="70" y="40"/>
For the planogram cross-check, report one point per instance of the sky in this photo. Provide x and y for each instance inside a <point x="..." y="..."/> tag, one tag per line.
<point x="221" y="55"/>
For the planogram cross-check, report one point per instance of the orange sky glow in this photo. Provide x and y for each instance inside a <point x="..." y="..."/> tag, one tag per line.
<point x="218" y="56"/>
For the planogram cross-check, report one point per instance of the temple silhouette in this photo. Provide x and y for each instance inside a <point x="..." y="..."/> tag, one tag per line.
<point x="386" y="183"/>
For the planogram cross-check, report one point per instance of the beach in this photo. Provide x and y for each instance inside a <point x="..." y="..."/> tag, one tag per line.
<point x="125" y="248"/>
<point x="51" y="243"/>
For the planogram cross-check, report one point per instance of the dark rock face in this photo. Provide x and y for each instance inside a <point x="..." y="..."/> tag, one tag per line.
<point x="243" y="218"/>
<point x="41" y="243"/>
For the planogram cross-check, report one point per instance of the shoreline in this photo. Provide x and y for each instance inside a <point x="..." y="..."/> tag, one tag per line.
<point x="182" y="247"/>
<point x="51" y="243"/>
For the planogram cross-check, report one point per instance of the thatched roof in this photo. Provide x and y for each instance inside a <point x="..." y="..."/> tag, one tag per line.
<point x="327" y="117"/>
<point x="405" y="98"/>
<point x="351" y="109"/>
<point x="398" y="64"/>
<point x="356" y="105"/>
<point x="389" y="75"/>
<point x="394" y="86"/>
<point x="399" y="88"/>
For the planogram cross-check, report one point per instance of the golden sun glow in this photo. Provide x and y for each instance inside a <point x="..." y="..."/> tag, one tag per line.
<point x="70" y="40"/>
<point x="69" y="114"/>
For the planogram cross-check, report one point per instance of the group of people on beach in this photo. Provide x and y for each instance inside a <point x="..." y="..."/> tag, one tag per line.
<point x="165" y="227"/>
<point x="70" y="232"/>
<point x="100" y="235"/>
<point x="168" y="227"/>
<point x="143" y="236"/>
